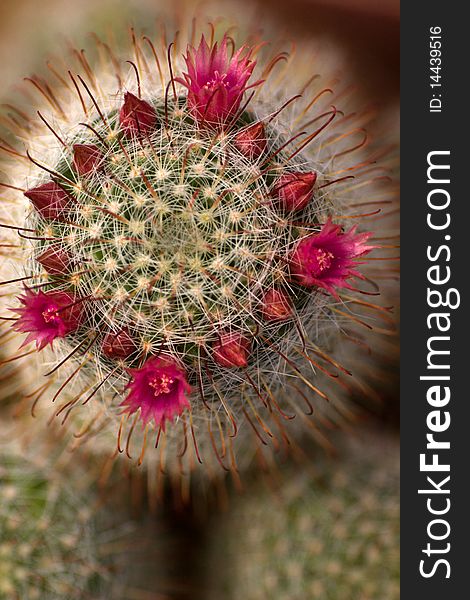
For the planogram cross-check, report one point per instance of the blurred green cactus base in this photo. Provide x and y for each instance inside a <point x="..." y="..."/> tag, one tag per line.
<point x="60" y="541"/>
<point x="330" y="535"/>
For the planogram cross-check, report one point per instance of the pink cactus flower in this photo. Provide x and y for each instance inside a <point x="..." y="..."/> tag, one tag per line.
<point x="231" y="350"/>
<point x="47" y="316"/>
<point x="159" y="389"/>
<point x="276" y="305"/>
<point x="87" y="158"/>
<point x="251" y="142"/>
<point x="293" y="191"/>
<point x="325" y="259"/>
<point x="55" y="262"/>
<point x="137" y="117"/>
<point x="216" y="82"/>
<point x="118" y="344"/>
<point x="50" y="200"/>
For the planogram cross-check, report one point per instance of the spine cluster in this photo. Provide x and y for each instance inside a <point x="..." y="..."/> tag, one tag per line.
<point x="186" y="248"/>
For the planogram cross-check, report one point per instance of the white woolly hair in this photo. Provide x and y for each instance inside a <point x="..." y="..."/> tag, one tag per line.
<point x="148" y="268"/>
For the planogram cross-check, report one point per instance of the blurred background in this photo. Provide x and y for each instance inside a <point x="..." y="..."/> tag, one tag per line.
<point x="367" y="33"/>
<point x="367" y="30"/>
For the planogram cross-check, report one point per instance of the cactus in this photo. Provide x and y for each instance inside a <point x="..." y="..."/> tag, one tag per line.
<point x="47" y="548"/>
<point x="61" y="538"/>
<point x="328" y="536"/>
<point x="190" y="247"/>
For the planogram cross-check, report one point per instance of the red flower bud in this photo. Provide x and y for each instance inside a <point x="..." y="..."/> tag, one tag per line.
<point x="87" y="158"/>
<point x="231" y="350"/>
<point x="293" y="191"/>
<point x="251" y="142"/>
<point x="276" y="305"/>
<point x="50" y="200"/>
<point x="137" y="117"/>
<point x="55" y="262"/>
<point x="118" y="345"/>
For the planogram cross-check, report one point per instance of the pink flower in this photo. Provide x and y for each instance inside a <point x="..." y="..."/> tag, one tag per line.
<point x="50" y="200"/>
<point x="118" y="345"/>
<point x="47" y="316"/>
<point x="87" y="158"/>
<point x="137" y="117"/>
<point x="276" y="305"/>
<point x="216" y="82"/>
<point x="251" y="142"/>
<point x="55" y="262"/>
<point x="325" y="259"/>
<point x="293" y="191"/>
<point x="231" y="350"/>
<point x="159" y="389"/>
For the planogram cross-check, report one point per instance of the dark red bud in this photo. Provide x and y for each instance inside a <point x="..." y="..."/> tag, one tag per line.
<point x="137" y="117"/>
<point x="276" y="305"/>
<point x="55" y="262"/>
<point x="293" y="191"/>
<point x="251" y="142"/>
<point x="50" y="200"/>
<point x="118" y="345"/>
<point x="87" y="158"/>
<point x="231" y="350"/>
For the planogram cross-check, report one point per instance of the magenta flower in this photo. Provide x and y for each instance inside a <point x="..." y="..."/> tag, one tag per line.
<point x="50" y="200"/>
<point x="159" y="389"/>
<point x="325" y="259"/>
<point x="216" y="82"/>
<point x="293" y="191"/>
<point x="137" y="117"/>
<point x="118" y="345"/>
<point x="55" y="262"/>
<point x="87" y="158"/>
<point x="231" y="350"/>
<point x="251" y="142"/>
<point x="276" y="305"/>
<point x="47" y="316"/>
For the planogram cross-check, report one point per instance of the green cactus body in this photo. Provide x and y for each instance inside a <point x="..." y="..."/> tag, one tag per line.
<point x="47" y="548"/>
<point x="330" y="536"/>
<point x="188" y="248"/>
